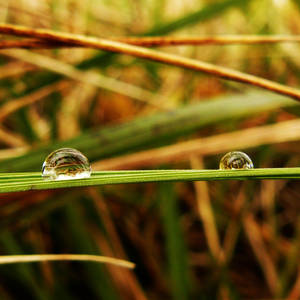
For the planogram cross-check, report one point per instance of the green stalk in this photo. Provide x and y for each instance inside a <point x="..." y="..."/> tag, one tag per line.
<point x="33" y="181"/>
<point x="208" y="12"/>
<point x="153" y="130"/>
<point x="175" y="245"/>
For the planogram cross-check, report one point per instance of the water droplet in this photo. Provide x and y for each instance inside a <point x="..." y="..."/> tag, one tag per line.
<point x="236" y="160"/>
<point x="66" y="163"/>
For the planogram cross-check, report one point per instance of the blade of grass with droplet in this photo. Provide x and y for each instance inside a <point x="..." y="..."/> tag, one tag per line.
<point x="125" y="177"/>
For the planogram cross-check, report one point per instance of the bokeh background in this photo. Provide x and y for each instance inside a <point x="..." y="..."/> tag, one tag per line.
<point x="204" y="240"/>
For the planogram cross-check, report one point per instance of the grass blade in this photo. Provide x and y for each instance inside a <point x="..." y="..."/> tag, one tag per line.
<point x="175" y="245"/>
<point x="33" y="181"/>
<point x="24" y="276"/>
<point x="13" y="259"/>
<point x="153" y="55"/>
<point x="201" y="15"/>
<point x="98" y="278"/>
<point x="158" y="128"/>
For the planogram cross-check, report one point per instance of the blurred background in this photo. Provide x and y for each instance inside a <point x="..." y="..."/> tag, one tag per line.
<point x="203" y="240"/>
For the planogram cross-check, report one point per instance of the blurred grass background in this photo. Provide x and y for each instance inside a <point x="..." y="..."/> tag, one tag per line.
<point x="216" y="240"/>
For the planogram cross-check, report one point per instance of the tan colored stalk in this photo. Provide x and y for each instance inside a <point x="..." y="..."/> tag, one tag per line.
<point x="163" y="41"/>
<point x="11" y="259"/>
<point x="206" y="214"/>
<point x="10" y="138"/>
<point x="254" y="235"/>
<point x="233" y="228"/>
<point x="14" y="69"/>
<point x="295" y="291"/>
<point x="16" y="104"/>
<point x="13" y="152"/>
<point x="247" y="138"/>
<point x="176" y="60"/>
<point x="90" y="77"/>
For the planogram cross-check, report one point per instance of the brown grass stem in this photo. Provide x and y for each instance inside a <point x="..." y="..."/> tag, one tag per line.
<point x="206" y="213"/>
<point x="246" y="138"/>
<point x="11" y="259"/>
<point x="16" y="104"/>
<point x="91" y="77"/>
<point x="176" y="60"/>
<point x="163" y="41"/>
<point x="260" y="250"/>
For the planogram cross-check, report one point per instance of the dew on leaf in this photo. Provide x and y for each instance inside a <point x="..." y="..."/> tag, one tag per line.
<point x="236" y="160"/>
<point x="65" y="164"/>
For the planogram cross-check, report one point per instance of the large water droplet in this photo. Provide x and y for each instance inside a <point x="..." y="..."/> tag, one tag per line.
<point x="66" y="163"/>
<point x="236" y="160"/>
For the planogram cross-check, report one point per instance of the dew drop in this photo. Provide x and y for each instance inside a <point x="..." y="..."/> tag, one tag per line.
<point x="236" y="160"/>
<point x="66" y="163"/>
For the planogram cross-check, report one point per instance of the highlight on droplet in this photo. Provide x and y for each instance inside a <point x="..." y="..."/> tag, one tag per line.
<point x="236" y="160"/>
<point x="66" y="164"/>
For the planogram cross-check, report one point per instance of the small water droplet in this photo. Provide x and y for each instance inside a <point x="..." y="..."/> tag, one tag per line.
<point x="66" y="163"/>
<point x="236" y="160"/>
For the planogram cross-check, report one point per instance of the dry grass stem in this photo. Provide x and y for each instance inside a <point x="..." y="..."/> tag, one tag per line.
<point x="11" y="139"/>
<point x="295" y="291"/>
<point x="233" y="228"/>
<point x="254" y="235"/>
<point x="93" y="75"/>
<point x="12" y="259"/>
<point x="127" y="278"/>
<point x="247" y="138"/>
<point x="206" y="213"/>
<point x="104" y="213"/>
<point x="176" y="60"/>
<point x="89" y="77"/>
<point x="13" y="152"/>
<point x="16" y="104"/>
<point x="71" y="107"/>
<point x="161" y="41"/>
<point x="124" y="279"/>
<point x="13" y="69"/>
<point x="149" y="255"/>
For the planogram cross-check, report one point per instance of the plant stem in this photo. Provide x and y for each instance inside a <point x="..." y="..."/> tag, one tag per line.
<point x="176" y="60"/>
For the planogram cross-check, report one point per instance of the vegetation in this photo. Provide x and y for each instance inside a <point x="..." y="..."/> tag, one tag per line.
<point x="159" y="119"/>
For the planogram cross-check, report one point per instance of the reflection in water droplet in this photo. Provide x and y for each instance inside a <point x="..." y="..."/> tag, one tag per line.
<point x="236" y="160"/>
<point x="66" y="163"/>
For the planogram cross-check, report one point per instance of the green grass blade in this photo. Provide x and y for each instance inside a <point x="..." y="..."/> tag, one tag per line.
<point x="297" y="3"/>
<point x="31" y="182"/>
<point x="155" y="129"/>
<point x="201" y="15"/>
<point x="22" y="272"/>
<point x="175" y="245"/>
<point x="98" y="278"/>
